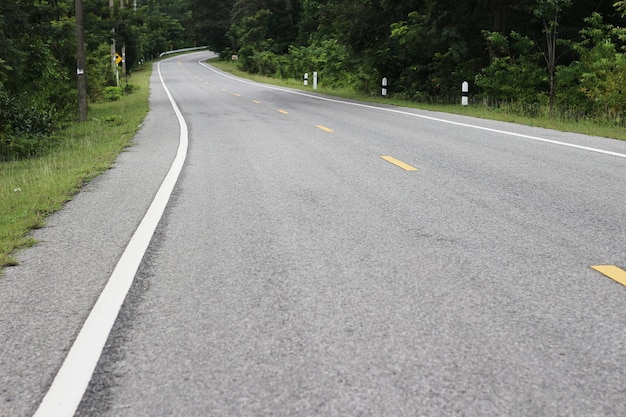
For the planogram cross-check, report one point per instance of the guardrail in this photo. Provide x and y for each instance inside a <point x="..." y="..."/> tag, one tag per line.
<point x="162" y="54"/>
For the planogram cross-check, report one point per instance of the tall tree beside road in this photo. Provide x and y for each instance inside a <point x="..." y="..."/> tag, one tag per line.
<point x="38" y="85"/>
<point x="425" y="48"/>
<point x="40" y="56"/>
<point x="549" y="12"/>
<point x="211" y="21"/>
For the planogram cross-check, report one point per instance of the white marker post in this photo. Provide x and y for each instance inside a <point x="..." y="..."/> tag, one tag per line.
<point x="384" y="84"/>
<point x="315" y="80"/>
<point x="464" y="93"/>
<point x="306" y="79"/>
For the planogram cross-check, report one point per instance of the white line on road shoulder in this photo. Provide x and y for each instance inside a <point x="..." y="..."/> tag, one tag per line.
<point x="436" y="119"/>
<point x="70" y="383"/>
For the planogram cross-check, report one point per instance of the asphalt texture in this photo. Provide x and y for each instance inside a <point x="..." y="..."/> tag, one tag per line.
<point x="296" y="273"/>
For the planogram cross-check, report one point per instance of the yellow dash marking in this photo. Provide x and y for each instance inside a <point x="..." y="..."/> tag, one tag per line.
<point x="283" y="111"/>
<point x="325" y="129"/>
<point x="237" y="95"/>
<point x="223" y="89"/>
<point x="256" y="101"/>
<point x="613" y="272"/>
<point x="401" y="164"/>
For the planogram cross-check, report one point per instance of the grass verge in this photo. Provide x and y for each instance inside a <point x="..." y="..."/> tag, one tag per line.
<point x="32" y="189"/>
<point x="587" y="127"/>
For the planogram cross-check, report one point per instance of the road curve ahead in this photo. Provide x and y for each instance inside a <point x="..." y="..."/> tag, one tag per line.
<point x="328" y="258"/>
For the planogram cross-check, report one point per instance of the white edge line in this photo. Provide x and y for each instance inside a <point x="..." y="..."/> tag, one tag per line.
<point x="70" y="383"/>
<point x="503" y="132"/>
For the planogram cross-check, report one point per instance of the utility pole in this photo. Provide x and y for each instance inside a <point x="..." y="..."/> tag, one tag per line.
<point x="81" y="61"/>
<point x="113" y="57"/>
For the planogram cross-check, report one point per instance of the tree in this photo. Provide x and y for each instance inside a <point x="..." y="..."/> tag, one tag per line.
<point x="41" y="55"/>
<point x="38" y="92"/>
<point x="601" y="69"/>
<point x="549" y="12"/>
<point x="514" y="74"/>
<point x="211" y="20"/>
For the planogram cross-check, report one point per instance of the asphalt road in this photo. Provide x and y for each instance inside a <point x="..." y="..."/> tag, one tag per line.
<point x="297" y="273"/>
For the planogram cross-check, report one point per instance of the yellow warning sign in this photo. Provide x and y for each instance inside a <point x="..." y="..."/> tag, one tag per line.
<point x="118" y="58"/>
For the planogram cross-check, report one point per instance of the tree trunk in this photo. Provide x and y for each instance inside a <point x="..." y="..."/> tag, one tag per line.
<point x="550" y="29"/>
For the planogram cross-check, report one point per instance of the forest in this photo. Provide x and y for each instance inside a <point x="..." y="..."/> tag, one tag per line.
<point x="562" y="58"/>
<point x="559" y="58"/>
<point x="38" y="59"/>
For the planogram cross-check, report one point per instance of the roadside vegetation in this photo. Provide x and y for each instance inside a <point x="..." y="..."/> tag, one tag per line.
<point x="480" y="110"/>
<point x="558" y="59"/>
<point x="45" y="155"/>
<point x="33" y="188"/>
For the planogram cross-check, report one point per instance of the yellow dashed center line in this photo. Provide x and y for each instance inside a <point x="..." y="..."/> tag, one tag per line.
<point x="399" y="163"/>
<point x="237" y="95"/>
<point x="325" y="129"/>
<point x="282" y="111"/>
<point x="256" y="101"/>
<point x="613" y="272"/>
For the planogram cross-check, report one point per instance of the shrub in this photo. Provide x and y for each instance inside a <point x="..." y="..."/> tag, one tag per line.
<point x="100" y="74"/>
<point x="25" y="126"/>
<point x="113" y="93"/>
<point x="327" y="57"/>
<point x="514" y="73"/>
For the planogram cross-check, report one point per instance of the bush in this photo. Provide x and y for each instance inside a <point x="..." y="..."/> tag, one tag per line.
<point x="327" y="57"/>
<point x="266" y="63"/>
<point x="25" y="126"/>
<point x="100" y="74"/>
<point x="113" y="93"/>
<point x="514" y="73"/>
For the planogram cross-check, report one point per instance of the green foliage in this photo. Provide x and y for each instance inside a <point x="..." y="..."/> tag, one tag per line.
<point x="328" y="57"/>
<point x="4" y="70"/>
<point x="99" y="74"/>
<point x="514" y="73"/>
<point x="32" y="188"/>
<point x="25" y="126"/>
<point x="38" y="82"/>
<point x="515" y="52"/>
<point x="602" y="67"/>
<point x="113" y="93"/>
<point x="594" y="84"/>
<point x="36" y="95"/>
<point x="211" y="21"/>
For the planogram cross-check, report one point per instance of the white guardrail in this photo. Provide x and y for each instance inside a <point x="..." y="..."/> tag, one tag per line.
<point x="162" y="54"/>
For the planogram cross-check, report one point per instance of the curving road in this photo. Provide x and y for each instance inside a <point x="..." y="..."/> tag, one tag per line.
<point x="327" y="258"/>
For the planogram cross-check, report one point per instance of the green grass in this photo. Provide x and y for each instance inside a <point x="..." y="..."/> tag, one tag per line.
<point x="32" y="189"/>
<point x="587" y="127"/>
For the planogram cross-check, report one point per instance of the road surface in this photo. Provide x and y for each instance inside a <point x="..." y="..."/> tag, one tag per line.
<point x="327" y="258"/>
